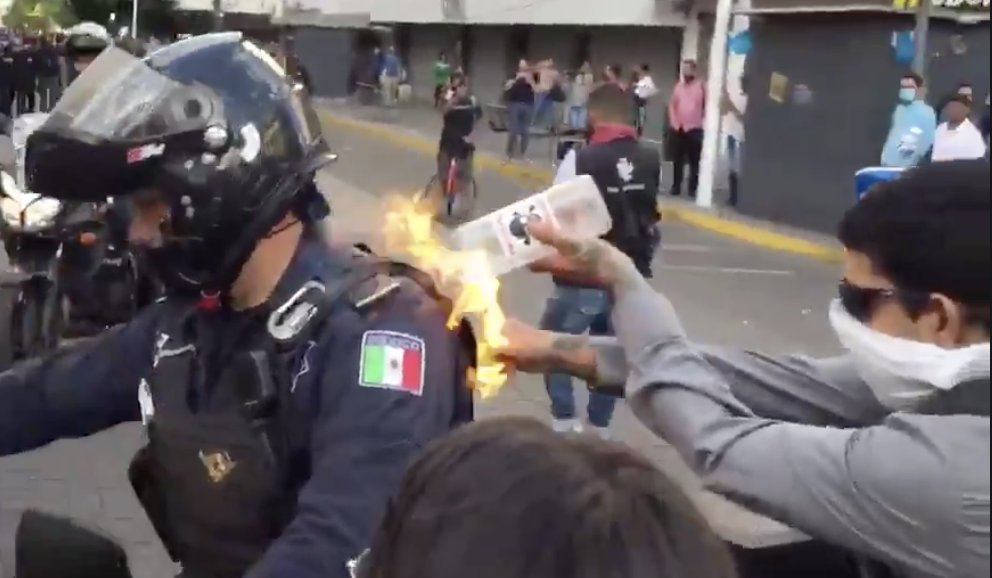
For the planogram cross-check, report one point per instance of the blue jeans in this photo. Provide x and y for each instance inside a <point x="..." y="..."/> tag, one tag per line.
<point x="542" y="108"/>
<point x="519" y="117"/>
<point x="574" y="310"/>
<point x="734" y="160"/>
<point x="577" y="116"/>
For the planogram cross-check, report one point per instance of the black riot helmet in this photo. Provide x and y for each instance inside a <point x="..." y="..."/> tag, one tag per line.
<point x="209" y="125"/>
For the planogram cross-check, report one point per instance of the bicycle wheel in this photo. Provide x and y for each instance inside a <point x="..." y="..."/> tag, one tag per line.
<point x="459" y="205"/>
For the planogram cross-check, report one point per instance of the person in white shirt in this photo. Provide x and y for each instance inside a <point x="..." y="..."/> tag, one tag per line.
<point x="644" y="89"/>
<point x="734" y="105"/>
<point x="957" y="138"/>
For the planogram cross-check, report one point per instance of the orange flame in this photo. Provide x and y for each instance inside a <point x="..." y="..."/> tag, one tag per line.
<point x="465" y="277"/>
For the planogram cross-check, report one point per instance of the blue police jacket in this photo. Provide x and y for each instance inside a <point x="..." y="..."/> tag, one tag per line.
<point x="366" y="427"/>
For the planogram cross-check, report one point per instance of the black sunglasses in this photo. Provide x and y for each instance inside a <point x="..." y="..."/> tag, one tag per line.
<point x="861" y="302"/>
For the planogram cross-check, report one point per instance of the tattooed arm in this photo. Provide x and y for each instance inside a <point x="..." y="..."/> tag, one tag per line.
<point x="589" y="261"/>
<point x="794" y="388"/>
<point x="596" y="360"/>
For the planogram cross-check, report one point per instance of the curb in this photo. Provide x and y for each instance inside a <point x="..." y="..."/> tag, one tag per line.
<point x="532" y="176"/>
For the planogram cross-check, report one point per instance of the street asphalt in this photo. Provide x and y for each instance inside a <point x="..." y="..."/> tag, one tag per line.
<point x="726" y="293"/>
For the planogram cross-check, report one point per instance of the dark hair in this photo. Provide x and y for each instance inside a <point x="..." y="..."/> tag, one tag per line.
<point x="916" y="78"/>
<point x="645" y="67"/>
<point x="961" y="98"/>
<point x="508" y="497"/>
<point x="928" y="231"/>
<point x="610" y="102"/>
<point x="616" y="69"/>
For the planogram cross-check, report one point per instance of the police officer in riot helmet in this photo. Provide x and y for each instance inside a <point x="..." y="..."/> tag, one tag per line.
<point x="84" y="42"/>
<point x="284" y="383"/>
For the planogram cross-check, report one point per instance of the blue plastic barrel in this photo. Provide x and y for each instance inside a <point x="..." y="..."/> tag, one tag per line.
<point x="868" y="176"/>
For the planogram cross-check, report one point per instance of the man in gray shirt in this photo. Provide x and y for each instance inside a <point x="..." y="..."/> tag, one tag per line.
<point x="885" y="450"/>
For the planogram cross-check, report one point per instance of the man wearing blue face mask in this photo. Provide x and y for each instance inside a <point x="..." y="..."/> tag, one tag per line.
<point x="913" y="125"/>
<point x="883" y="451"/>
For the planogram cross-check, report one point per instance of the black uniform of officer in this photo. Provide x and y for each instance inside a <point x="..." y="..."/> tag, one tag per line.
<point x="277" y="427"/>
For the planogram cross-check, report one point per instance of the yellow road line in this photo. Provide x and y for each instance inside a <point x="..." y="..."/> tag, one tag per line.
<point x="535" y="176"/>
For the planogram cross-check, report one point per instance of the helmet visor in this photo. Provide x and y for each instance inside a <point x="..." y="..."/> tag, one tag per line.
<point x="120" y="98"/>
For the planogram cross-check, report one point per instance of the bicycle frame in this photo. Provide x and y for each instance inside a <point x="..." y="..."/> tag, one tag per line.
<point x="452" y="177"/>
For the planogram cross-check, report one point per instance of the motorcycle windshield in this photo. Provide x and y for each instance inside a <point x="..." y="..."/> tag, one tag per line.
<point x="120" y="97"/>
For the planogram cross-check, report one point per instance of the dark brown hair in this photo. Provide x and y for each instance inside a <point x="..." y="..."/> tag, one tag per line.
<point x="508" y="498"/>
<point x="609" y="102"/>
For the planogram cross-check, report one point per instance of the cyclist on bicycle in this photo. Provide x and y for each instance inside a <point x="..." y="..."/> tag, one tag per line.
<point x="461" y="111"/>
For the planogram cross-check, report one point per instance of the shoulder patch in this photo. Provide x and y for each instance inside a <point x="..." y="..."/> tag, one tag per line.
<point x="392" y="360"/>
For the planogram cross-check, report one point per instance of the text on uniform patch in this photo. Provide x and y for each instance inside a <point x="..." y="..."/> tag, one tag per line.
<point x="392" y="360"/>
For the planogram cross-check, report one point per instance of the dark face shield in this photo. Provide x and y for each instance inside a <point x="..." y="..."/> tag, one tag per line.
<point x="210" y="123"/>
<point x="115" y="120"/>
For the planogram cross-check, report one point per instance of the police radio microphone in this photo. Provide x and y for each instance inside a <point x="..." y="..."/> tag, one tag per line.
<point x="256" y="389"/>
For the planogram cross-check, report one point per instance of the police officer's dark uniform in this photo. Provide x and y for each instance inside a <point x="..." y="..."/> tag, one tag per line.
<point x="6" y="80"/>
<point x="98" y="295"/>
<point x="25" y="78"/>
<point x="275" y="435"/>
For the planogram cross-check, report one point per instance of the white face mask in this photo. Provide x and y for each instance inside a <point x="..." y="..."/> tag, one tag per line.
<point x="902" y="372"/>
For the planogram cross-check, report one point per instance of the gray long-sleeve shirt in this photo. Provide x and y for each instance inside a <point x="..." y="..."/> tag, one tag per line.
<point x="804" y="442"/>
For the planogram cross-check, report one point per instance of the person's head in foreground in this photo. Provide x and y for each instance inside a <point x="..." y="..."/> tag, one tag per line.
<point x="508" y="498"/>
<point x="914" y="301"/>
<point x="209" y="141"/>
<point x="957" y="109"/>
<point x="609" y="105"/>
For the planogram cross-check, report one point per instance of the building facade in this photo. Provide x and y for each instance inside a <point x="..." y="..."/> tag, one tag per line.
<point x="488" y="37"/>
<point x="822" y="89"/>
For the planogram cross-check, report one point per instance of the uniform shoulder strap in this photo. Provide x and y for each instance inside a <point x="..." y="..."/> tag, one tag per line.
<point x="386" y="276"/>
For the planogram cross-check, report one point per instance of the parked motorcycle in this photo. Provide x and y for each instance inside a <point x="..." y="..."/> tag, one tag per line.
<point x="50" y="546"/>
<point x="70" y="272"/>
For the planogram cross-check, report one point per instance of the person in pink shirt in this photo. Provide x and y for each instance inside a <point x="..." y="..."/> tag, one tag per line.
<point x="685" y="119"/>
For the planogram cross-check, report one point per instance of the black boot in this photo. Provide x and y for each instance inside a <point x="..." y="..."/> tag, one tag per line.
<point x="733" y="183"/>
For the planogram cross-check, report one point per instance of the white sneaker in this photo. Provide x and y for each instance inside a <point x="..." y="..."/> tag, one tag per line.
<point x="568" y="425"/>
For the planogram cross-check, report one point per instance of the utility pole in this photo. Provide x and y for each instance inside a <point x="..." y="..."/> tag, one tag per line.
<point x="923" y="10"/>
<point x="218" y="14"/>
<point x="134" y="19"/>
<point x="714" y="95"/>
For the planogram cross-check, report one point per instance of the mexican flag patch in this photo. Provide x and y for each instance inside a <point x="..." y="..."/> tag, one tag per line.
<point x="392" y="360"/>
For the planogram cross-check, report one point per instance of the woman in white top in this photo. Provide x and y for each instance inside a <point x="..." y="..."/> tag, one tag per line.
<point x="957" y="138"/>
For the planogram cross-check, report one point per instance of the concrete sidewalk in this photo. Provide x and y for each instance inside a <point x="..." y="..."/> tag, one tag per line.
<point x="417" y="128"/>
